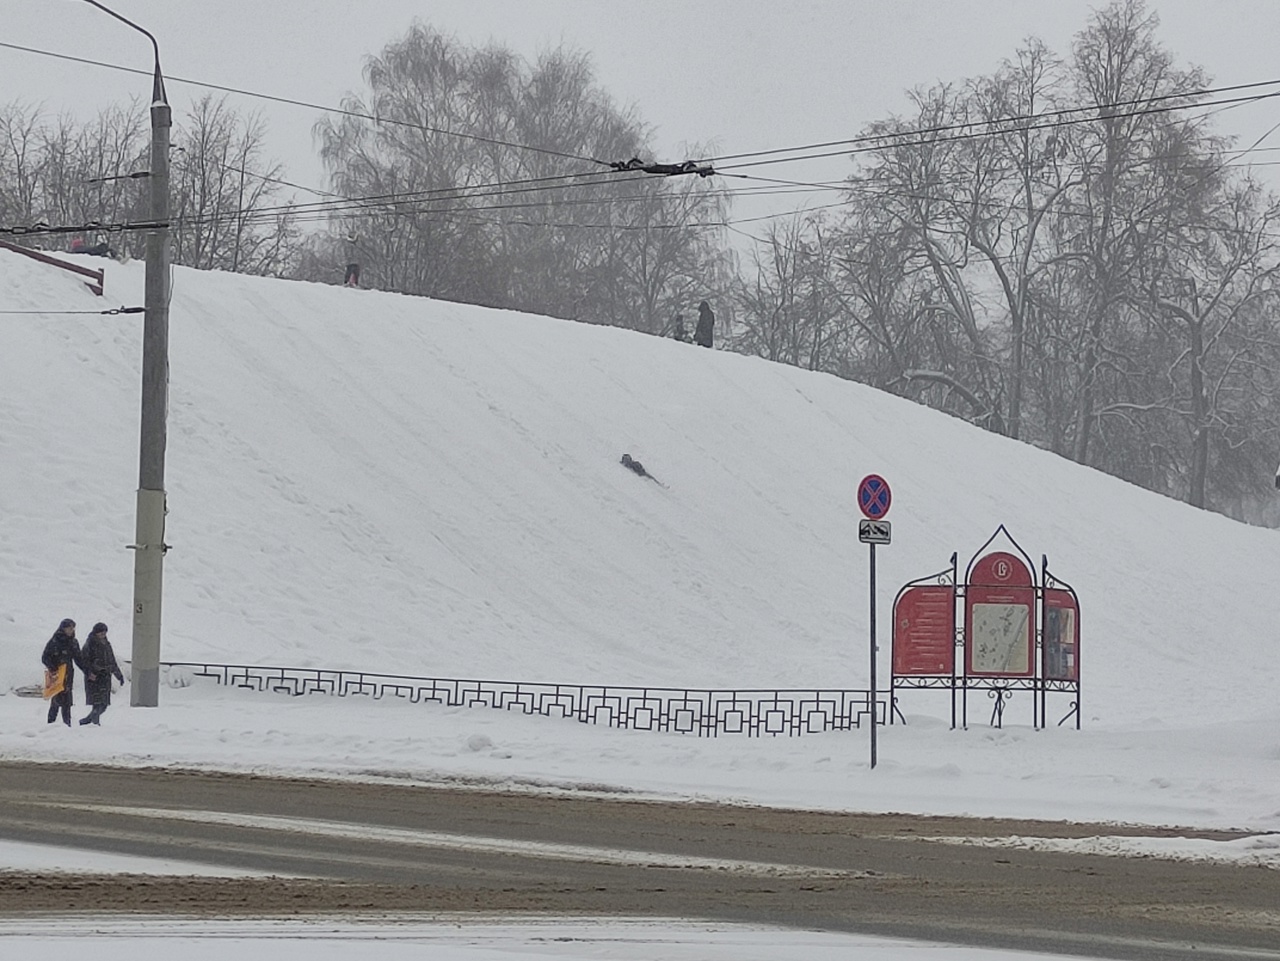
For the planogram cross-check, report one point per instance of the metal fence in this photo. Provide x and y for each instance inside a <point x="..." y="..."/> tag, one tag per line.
<point x="706" y="713"/>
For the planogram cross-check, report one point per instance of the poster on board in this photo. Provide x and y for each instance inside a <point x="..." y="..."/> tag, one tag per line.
<point x="1061" y="636"/>
<point x="924" y="630"/>
<point x="1000" y="636"/>
<point x="1000" y="603"/>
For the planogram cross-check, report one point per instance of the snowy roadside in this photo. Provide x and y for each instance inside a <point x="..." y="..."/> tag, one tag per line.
<point x="447" y="938"/>
<point x="19" y="856"/>
<point x="1209" y="777"/>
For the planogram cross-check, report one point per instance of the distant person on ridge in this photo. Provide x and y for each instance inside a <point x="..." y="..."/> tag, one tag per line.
<point x="352" y="276"/>
<point x="678" y="329"/>
<point x="704" y="333"/>
<point x="100" y="249"/>
<point x="62" y="652"/>
<point x="99" y="663"/>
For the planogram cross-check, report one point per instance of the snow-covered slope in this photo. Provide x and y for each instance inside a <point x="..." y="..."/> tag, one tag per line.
<point x="361" y="479"/>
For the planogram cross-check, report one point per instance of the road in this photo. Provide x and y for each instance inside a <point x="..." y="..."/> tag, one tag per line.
<point x="343" y="847"/>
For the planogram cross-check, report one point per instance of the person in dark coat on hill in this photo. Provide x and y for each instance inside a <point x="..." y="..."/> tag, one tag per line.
<point x="99" y="663"/>
<point x="63" y="648"/>
<point x="704" y="333"/>
<point x="678" y="329"/>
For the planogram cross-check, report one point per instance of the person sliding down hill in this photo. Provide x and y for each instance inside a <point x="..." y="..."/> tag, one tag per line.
<point x="634" y="465"/>
<point x="637" y="468"/>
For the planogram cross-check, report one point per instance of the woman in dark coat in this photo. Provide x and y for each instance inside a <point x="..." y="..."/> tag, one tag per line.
<point x="99" y="663"/>
<point x="63" y="648"/>
<point x="704" y="333"/>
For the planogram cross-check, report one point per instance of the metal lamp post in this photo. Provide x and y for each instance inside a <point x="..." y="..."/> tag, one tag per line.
<point x="149" y="546"/>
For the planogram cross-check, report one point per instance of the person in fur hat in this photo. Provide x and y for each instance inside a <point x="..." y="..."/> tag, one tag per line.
<point x="98" y="661"/>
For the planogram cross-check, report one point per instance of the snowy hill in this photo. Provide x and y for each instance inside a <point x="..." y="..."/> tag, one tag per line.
<point x="360" y="479"/>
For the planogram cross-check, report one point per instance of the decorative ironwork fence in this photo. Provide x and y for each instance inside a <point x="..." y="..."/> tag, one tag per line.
<point x="706" y="713"/>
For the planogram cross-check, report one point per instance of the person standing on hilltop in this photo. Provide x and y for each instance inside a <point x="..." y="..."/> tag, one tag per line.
<point x="351" y="277"/>
<point x="704" y="333"/>
<point x="678" y="329"/>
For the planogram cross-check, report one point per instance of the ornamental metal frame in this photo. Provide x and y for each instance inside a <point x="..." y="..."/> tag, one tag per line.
<point x="999" y="689"/>
<point x="943" y="578"/>
<point x="1050" y="582"/>
<point x="705" y="713"/>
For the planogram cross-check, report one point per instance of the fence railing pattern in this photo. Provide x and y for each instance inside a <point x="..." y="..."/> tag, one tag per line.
<point x="706" y="713"/>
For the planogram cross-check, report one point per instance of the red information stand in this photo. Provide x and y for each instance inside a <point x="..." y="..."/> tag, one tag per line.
<point x="1019" y="634"/>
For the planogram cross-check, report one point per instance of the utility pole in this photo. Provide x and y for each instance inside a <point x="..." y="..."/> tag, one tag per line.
<point x="149" y="547"/>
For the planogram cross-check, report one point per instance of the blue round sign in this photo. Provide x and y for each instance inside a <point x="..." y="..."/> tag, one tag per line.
<point x="874" y="497"/>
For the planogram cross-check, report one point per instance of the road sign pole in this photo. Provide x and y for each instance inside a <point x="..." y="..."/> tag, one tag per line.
<point x="873" y="656"/>
<point x="874" y="499"/>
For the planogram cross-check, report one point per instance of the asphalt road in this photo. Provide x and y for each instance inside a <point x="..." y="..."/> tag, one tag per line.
<point x="342" y="847"/>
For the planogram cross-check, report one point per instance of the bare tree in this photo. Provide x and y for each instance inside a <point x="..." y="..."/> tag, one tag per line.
<point x="227" y="197"/>
<point x="485" y="180"/>
<point x="1058" y="252"/>
<point x="21" y="164"/>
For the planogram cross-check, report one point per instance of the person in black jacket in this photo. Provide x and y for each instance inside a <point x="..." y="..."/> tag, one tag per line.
<point x="704" y="333"/>
<point x="63" y="648"/>
<point x="99" y="663"/>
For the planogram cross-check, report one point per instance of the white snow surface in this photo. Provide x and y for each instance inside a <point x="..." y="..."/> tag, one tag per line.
<point x="364" y="480"/>
<point x="463" y="939"/>
<point x="51" y="858"/>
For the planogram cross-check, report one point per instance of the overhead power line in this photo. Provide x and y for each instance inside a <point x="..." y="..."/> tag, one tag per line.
<point x="69" y="313"/>
<point x="1097" y="111"/>
<point x="92" y="226"/>
<point x="411" y="203"/>
<point x="348" y="206"/>
<point x="994" y="128"/>
<point x="169" y="78"/>
<point x="634" y="164"/>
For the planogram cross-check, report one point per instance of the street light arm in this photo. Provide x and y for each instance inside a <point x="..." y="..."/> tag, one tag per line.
<point x="157" y="86"/>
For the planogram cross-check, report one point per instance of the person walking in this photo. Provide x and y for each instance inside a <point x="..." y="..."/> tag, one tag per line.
<point x="99" y="663"/>
<point x="704" y="333"/>
<point x="62" y="651"/>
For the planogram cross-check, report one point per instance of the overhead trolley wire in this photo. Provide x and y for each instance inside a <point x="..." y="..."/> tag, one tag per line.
<point x="1095" y="109"/>
<point x="860" y="144"/>
<point x="310" y="106"/>
<point x="924" y="141"/>
<point x="69" y="313"/>
<point x="366" y="206"/>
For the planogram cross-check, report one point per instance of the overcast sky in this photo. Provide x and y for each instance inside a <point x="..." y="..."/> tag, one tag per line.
<point x="740" y="74"/>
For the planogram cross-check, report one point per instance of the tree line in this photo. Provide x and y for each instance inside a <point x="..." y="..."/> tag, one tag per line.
<point x="1102" y="284"/>
<point x="1061" y="251"/>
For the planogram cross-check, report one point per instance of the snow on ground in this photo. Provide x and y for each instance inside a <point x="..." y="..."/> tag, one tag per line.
<point x="358" y="479"/>
<point x="448" y="939"/>
<point x="1205" y="776"/>
<point x="49" y="858"/>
